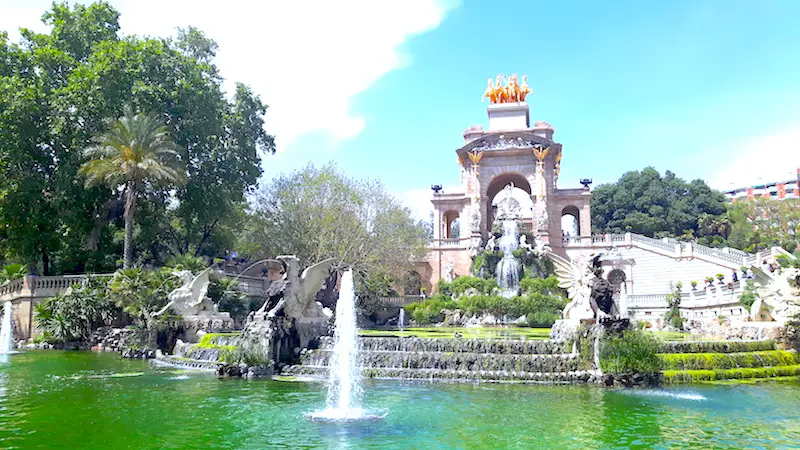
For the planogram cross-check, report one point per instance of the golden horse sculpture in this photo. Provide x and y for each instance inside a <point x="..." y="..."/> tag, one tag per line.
<point x="512" y="92"/>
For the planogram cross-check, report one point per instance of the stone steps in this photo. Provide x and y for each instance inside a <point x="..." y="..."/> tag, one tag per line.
<point x="321" y="372"/>
<point x="186" y="363"/>
<point x="494" y="346"/>
<point x="454" y="361"/>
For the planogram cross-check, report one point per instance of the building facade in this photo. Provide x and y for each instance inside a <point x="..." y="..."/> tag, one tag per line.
<point x="778" y="190"/>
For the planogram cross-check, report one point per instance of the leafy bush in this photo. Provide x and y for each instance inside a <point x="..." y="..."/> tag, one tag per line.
<point x="749" y="295"/>
<point x="425" y="312"/>
<point x="194" y="264"/>
<point x="225" y="292"/>
<point x="541" y="319"/>
<point x="11" y="272"/>
<point x="73" y="315"/>
<point x="461" y="284"/>
<point x="547" y="286"/>
<point x="634" y="351"/>
<point x="485" y="264"/>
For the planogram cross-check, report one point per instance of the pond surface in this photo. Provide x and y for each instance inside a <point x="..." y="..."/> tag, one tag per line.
<point x="87" y="400"/>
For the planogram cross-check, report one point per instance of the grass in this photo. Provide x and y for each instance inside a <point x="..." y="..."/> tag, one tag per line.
<point x="672" y="335"/>
<point x="466" y="333"/>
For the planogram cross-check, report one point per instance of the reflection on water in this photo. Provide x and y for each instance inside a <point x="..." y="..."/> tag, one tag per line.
<point x="73" y="400"/>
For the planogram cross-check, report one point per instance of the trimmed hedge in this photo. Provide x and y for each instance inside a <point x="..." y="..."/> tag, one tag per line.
<point x="716" y="346"/>
<point x="716" y="361"/>
<point x="693" y="376"/>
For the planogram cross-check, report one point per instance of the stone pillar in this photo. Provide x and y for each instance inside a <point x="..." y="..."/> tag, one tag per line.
<point x="585" y="227"/>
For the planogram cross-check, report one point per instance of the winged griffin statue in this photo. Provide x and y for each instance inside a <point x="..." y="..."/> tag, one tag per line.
<point x="190" y="298"/>
<point x="577" y="278"/>
<point x="301" y="289"/>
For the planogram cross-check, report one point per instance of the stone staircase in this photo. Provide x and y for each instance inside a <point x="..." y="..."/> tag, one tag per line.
<point x="205" y="355"/>
<point x="531" y="361"/>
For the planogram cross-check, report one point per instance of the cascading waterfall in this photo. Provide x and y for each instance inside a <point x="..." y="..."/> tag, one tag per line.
<point x="508" y="267"/>
<point x="344" y="379"/>
<point x="6" y="332"/>
<point x="402" y="319"/>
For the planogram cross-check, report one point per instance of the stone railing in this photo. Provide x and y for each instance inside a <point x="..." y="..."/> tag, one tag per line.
<point x="252" y="286"/>
<point x="402" y="300"/>
<point x="727" y="257"/>
<point x="719" y="295"/>
<point x="11" y="289"/>
<point x="450" y="242"/>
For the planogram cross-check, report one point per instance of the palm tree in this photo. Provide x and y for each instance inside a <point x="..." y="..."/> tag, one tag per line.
<point x="133" y="150"/>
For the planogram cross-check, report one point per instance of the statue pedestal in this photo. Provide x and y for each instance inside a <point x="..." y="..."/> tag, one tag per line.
<point x="211" y="323"/>
<point x="564" y="329"/>
<point x="311" y="328"/>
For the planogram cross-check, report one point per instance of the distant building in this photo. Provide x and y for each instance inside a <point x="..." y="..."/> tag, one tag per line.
<point x="778" y="190"/>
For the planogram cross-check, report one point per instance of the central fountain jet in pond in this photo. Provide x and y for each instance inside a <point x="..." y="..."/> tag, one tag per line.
<point x="344" y="380"/>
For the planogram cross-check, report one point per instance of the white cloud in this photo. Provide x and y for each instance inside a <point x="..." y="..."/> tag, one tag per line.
<point x="759" y="159"/>
<point x="307" y="59"/>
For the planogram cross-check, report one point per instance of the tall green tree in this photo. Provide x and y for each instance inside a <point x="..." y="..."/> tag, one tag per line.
<point x="56" y="89"/>
<point x="644" y="202"/>
<point x="319" y="213"/>
<point x="761" y="223"/>
<point x="134" y="151"/>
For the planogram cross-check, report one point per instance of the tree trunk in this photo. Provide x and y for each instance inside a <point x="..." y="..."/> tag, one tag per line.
<point x="130" y="206"/>
<point x="45" y="262"/>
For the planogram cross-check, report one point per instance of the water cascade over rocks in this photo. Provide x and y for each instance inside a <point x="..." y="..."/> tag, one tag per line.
<point x="532" y="361"/>
<point x="508" y="267"/>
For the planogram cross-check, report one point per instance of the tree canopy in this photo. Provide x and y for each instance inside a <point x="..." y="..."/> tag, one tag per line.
<point x="644" y="202"/>
<point x="56" y="90"/>
<point x="318" y="213"/>
<point x="761" y="223"/>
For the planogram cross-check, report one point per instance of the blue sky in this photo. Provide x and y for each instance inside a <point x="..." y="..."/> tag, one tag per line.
<point x="704" y="88"/>
<point x="678" y="85"/>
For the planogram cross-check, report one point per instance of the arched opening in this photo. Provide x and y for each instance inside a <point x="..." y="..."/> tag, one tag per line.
<point x="451" y="225"/>
<point x="617" y="279"/>
<point x="412" y="283"/>
<point x="521" y="192"/>
<point x="570" y="222"/>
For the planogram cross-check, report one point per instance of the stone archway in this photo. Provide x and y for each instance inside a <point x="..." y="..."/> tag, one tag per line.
<point x="412" y="283"/>
<point x="570" y="222"/>
<point x="450" y="218"/>
<point x="496" y="185"/>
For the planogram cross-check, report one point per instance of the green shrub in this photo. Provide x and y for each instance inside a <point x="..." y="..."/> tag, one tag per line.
<point x="749" y="295"/>
<point x="11" y="272"/>
<point x="74" y="314"/>
<point x="692" y="376"/>
<point x="634" y="351"/>
<point x="427" y="311"/>
<point x="461" y="284"/>
<point x="541" y="319"/>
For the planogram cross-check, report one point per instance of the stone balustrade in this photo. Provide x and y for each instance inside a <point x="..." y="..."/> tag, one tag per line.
<point x="726" y="257"/>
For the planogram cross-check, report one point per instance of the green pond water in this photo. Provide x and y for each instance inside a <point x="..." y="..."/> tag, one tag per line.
<point x="83" y="400"/>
